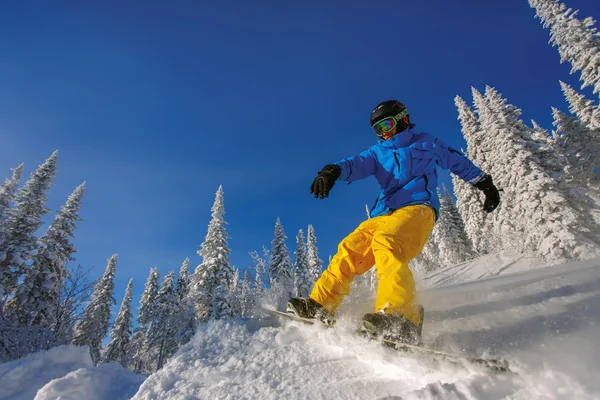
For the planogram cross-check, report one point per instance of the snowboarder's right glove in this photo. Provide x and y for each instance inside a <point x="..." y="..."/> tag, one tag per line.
<point x="323" y="183"/>
<point x="492" y="196"/>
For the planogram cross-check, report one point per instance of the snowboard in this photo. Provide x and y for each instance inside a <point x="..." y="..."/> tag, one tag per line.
<point x="493" y="364"/>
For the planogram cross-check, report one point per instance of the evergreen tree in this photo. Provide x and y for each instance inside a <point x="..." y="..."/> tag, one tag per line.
<point x="7" y="194"/>
<point x="235" y="294"/>
<point x="583" y="108"/>
<point x="183" y="280"/>
<point x="303" y="281"/>
<point x="148" y="300"/>
<point x="581" y="150"/>
<point x="139" y="348"/>
<point x="186" y="318"/>
<point x="119" y="348"/>
<point x="468" y="199"/>
<point x="22" y="222"/>
<point x="280" y="267"/>
<point x="536" y="215"/>
<point x="210" y="284"/>
<point x="499" y="159"/>
<point x="259" y="283"/>
<point x="586" y="133"/>
<point x="578" y="42"/>
<point x="247" y="301"/>
<point x="96" y="318"/>
<point x="452" y="242"/>
<point x="221" y="303"/>
<point x="429" y="259"/>
<point x="162" y="331"/>
<point x="315" y="264"/>
<point x="39" y="294"/>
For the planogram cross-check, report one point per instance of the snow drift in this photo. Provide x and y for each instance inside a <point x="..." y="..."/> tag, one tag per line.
<point x="545" y="321"/>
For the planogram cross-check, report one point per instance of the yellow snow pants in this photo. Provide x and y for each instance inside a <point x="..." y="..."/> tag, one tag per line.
<point x="389" y="241"/>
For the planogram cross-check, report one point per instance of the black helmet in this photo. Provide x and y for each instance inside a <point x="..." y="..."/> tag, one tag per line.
<point x="391" y="108"/>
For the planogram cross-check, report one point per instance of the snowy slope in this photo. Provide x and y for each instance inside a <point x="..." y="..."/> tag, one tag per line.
<point x="66" y="373"/>
<point x="544" y="320"/>
<point x="21" y="379"/>
<point x="487" y="266"/>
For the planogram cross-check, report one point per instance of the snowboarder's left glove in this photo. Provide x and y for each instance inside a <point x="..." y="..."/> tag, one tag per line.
<point x="492" y="196"/>
<point x="323" y="183"/>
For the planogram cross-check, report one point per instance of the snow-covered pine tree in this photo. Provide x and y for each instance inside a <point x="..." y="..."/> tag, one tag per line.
<point x="22" y="222"/>
<point x="583" y="108"/>
<point x="96" y="318"/>
<point x="581" y="150"/>
<point x="499" y="159"/>
<point x="187" y="317"/>
<point x="7" y="193"/>
<point x="246" y="297"/>
<point x="183" y="280"/>
<point x="315" y="264"/>
<point x="429" y="259"/>
<point x="139" y="349"/>
<point x="162" y="331"/>
<point x="38" y="296"/>
<point x="221" y="303"/>
<point x="119" y="348"/>
<point x="587" y="132"/>
<point x="259" y="286"/>
<point x="211" y="280"/>
<point x="235" y="293"/>
<point x="468" y="199"/>
<point x="303" y="281"/>
<point x="577" y="41"/>
<point x="536" y="211"/>
<point x="452" y="242"/>
<point x="280" y="269"/>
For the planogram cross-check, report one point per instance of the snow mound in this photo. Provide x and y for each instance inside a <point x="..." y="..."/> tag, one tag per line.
<point x="21" y="379"/>
<point x="545" y="321"/>
<point x="229" y="360"/>
<point x="108" y="381"/>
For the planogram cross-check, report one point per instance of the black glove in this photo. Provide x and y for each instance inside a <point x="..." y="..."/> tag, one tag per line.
<point x="323" y="183"/>
<point x="492" y="196"/>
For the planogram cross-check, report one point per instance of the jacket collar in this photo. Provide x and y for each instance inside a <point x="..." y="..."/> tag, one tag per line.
<point x="399" y="140"/>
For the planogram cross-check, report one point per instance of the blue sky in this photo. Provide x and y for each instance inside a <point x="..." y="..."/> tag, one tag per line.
<point x="155" y="105"/>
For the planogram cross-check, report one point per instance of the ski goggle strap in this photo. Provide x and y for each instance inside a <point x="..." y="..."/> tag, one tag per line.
<point x="387" y="124"/>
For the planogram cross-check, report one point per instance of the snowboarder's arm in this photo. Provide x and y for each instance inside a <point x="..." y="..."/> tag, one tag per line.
<point x="461" y="166"/>
<point x="357" y="167"/>
<point x="457" y="163"/>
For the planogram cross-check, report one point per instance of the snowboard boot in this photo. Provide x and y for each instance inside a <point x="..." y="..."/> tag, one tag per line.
<point x="309" y="308"/>
<point x="393" y="327"/>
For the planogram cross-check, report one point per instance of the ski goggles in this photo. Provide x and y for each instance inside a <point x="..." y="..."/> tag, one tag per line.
<point x="385" y="125"/>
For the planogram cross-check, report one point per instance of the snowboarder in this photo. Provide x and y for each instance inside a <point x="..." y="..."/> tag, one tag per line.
<point x="404" y="163"/>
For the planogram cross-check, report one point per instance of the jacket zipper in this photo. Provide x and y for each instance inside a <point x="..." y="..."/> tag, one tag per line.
<point x="426" y="186"/>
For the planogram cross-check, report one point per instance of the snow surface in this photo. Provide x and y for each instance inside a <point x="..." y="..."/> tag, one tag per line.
<point x="545" y="321"/>
<point x="21" y="379"/>
<point x="107" y="381"/>
<point x="65" y="373"/>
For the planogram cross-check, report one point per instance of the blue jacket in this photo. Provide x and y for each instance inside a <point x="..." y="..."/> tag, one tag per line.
<point x="405" y="167"/>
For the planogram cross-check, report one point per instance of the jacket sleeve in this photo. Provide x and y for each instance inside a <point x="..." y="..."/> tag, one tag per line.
<point x="357" y="167"/>
<point x="457" y="163"/>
